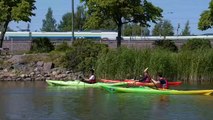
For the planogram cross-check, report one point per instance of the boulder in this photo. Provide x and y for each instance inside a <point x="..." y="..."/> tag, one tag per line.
<point x="48" y="66"/>
<point x="16" y="59"/>
<point x="40" y="64"/>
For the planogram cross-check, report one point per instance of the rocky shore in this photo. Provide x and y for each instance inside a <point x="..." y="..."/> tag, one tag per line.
<point x="16" y="68"/>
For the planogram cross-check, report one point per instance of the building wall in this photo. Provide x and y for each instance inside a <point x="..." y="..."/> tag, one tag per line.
<point x="15" y="46"/>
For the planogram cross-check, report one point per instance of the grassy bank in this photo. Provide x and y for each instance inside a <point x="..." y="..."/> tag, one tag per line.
<point x="130" y="63"/>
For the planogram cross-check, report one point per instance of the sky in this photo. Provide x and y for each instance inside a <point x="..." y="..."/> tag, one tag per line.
<point x="177" y="11"/>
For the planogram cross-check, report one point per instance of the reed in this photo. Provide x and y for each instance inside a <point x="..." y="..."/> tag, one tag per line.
<point x="129" y="63"/>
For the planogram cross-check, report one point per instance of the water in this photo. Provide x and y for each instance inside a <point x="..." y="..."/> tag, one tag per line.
<point x="37" y="101"/>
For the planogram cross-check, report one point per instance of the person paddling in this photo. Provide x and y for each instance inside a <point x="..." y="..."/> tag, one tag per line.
<point x="162" y="81"/>
<point x="92" y="78"/>
<point x="146" y="77"/>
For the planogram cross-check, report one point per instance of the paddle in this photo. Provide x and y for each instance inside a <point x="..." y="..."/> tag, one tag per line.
<point x="154" y="83"/>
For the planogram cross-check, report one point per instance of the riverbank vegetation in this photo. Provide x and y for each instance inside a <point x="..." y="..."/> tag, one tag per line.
<point x="192" y="62"/>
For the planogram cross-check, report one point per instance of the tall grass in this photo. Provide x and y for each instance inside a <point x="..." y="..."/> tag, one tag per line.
<point x="129" y="63"/>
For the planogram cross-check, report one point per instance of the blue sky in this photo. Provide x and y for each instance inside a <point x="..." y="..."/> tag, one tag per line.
<point x="177" y="11"/>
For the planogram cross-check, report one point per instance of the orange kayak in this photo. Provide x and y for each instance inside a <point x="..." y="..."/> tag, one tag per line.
<point x="134" y="83"/>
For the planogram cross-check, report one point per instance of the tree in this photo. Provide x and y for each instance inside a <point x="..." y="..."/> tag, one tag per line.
<point x="14" y="10"/>
<point x="49" y="23"/>
<point x="41" y="45"/>
<point x="163" y="28"/>
<point x="186" y="30"/>
<point x="206" y="18"/>
<point x="79" y="20"/>
<point x="135" y="30"/>
<point x="66" y="23"/>
<point x="145" y="31"/>
<point x="121" y="12"/>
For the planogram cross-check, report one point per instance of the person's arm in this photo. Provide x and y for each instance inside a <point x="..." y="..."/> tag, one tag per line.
<point x="92" y="77"/>
<point x="155" y="81"/>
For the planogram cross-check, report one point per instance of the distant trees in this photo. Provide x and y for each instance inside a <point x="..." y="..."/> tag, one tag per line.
<point x="66" y="23"/>
<point x="49" y="23"/>
<point x="163" y="28"/>
<point x="79" y="20"/>
<point x="186" y="30"/>
<point x="206" y="18"/>
<point x="135" y="30"/>
<point x="14" y="10"/>
<point x="121" y="12"/>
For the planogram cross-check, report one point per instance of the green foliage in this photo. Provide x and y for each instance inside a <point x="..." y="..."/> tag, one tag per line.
<point x="130" y="63"/>
<point x="62" y="47"/>
<point x="196" y="44"/>
<point x="49" y="24"/>
<point x="41" y="45"/>
<point x="121" y="12"/>
<point x="206" y="18"/>
<point x="186" y="30"/>
<point x="83" y="55"/>
<point x="14" y="10"/>
<point x="166" y="44"/>
<point x="135" y="30"/>
<point x="66" y="23"/>
<point x="79" y="20"/>
<point x="163" y="28"/>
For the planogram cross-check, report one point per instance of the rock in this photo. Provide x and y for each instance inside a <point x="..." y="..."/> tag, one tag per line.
<point x="54" y="73"/>
<point x="32" y="73"/>
<point x="38" y="79"/>
<point x="48" y="66"/>
<point x="46" y="75"/>
<point x="18" y="79"/>
<point x="38" y="69"/>
<point x="27" y="79"/>
<point x="22" y="75"/>
<point x="16" y="59"/>
<point x="68" y="72"/>
<point x="63" y="75"/>
<point x="40" y="64"/>
<point x="12" y="75"/>
<point x="19" y="67"/>
<point x="8" y="79"/>
<point x="5" y="70"/>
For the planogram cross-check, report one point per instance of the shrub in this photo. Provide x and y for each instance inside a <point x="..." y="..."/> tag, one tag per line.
<point x="41" y="45"/>
<point x="166" y="44"/>
<point x="195" y="44"/>
<point x="62" y="47"/>
<point x="83" y="55"/>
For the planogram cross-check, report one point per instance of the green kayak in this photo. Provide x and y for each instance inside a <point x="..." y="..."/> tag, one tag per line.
<point x="80" y="83"/>
<point x="148" y="90"/>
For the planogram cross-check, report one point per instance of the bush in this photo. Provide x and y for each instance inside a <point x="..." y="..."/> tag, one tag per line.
<point x="83" y="55"/>
<point x="195" y="44"/>
<point x="41" y="45"/>
<point x="166" y="44"/>
<point x="62" y="47"/>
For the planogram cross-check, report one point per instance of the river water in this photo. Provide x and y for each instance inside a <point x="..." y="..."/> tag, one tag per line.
<point x="37" y="101"/>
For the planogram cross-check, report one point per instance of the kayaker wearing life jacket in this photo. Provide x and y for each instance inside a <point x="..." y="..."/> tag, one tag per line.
<point x="146" y="77"/>
<point x="162" y="81"/>
<point x="92" y="78"/>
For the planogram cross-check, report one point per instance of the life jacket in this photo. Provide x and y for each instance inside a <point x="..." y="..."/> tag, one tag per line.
<point x="146" y="79"/>
<point x="163" y="83"/>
